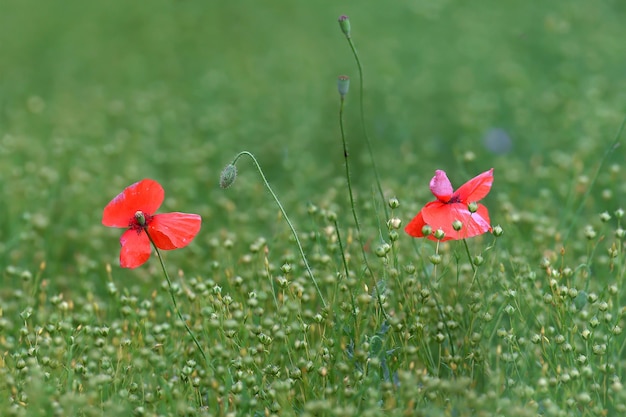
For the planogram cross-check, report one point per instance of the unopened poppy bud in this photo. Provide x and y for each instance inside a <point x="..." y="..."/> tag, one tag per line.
<point x="619" y="213"/>
<point x="394" y="203"/>
<point x="382" y="250"/>
<point x="140" y="217"/>
<point x="497" y="231"/>
<point x="472" y="207"/>
<point x="439" y="234"/>
<point x="394" y="223"/>
<point x="344" y="24"/>
<point x="457" y="225"/>
<point x="228" y="176"/>
<point x="343" y="85"/>
<point x="605" y="216"/>
<point x="589" y="232"/>
<point x="427" y="230"/>
<point x="478" y="260"/>
<point x="435" y="259"/>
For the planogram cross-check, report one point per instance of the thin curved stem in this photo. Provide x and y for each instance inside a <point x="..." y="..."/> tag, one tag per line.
<point x="171" y="291"/>
<point x="367" y="140"/>
<point x="284" y="213"/>
<point x="352" y="206"/>
<point x="607" y="152"/>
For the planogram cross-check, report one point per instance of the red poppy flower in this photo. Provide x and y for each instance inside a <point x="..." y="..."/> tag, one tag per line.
<point x="134" y="209"/>
<point x="460" y="207"/>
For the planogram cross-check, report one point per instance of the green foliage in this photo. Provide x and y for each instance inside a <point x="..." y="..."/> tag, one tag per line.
<point x="97" y="95"/>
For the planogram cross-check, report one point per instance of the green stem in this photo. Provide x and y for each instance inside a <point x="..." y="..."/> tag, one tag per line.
<point x="282" y="210"/>
<point x="439" y="309"/>
<point x="352" y="206"/>
<point x="345" y="264"/>
<point x="171" y="291"/>
<point x="367" y="140"/>
<point x="469" y="256"/>
<point x="345" y="156"/>
<point x="607" y="152"/>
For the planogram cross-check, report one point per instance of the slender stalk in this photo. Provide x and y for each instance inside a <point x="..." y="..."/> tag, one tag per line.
<point x="345" y="263"/>
<point x="171" y="291"/>
<point x="364" y="127"/>
<point x="439" y="309"/>
<point x="282" y="210"/>
<point x="352" y="206"/>
<point x="347" y="165"/>
<point x="614" y="144"/>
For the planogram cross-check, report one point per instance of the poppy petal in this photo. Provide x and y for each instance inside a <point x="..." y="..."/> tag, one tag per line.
<point x="442" y="217"/>
<point x="145" y="195"/>
<point x="476" y="188"/>
<point x="174" y="230"/>
<point x="415" y="226"/>
<point x="441" y="187"/>
<point x="135" y="248"/>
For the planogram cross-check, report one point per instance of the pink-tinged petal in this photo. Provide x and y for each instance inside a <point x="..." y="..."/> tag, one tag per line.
<point x="476" y="188"/>
<point x="145" y="195"/>
<point x="174" y="230"/>
<point x="441" y="187"/>
<point x="135" y="248"/>
<point x="480" y="221"/>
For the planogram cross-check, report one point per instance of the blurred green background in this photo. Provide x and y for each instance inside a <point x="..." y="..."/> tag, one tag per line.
<point x="97" y="95"/>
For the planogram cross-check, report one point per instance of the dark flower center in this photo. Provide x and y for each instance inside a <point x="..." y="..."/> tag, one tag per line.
<point x="454" y="199"/>
<point x="139" y="221"/>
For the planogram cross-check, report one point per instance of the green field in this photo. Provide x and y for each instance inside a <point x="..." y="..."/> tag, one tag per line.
<point x="95" y="96"/>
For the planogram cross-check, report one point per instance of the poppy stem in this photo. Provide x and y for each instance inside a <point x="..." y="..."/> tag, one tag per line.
<point x="352" y="206"/>
<point x="469" y="257"/>
<point x="171" y="291"/>
<point x="345" y="264"/>
<point x="284" y="213"/>
<point x="439" y="309"/>
<point x="614" y="144"/>
<point x="364" y="127"/>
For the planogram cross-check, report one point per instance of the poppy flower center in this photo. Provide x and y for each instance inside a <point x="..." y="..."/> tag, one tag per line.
<point x="454" y="199"/>
<point x="140" y="220"/>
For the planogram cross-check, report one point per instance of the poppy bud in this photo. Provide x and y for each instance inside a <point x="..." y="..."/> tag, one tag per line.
<point x="619" y="213"/>
<point x="435" y="259"/>
<point x="457" y="225"/>
<point x="439" y="234"/>
<point x="497" y="231"/>
<point x="228" y="176"/>
<point x="394" y="223"/>
<point x="344" y="24"/>
<point x="472" y="207"/>
<point x="427" y="230"/>
<point x="140" y="217"/>
<point x="382" y="250"/>
<point x="343" y="85"/>
<point x="394" y="203"/>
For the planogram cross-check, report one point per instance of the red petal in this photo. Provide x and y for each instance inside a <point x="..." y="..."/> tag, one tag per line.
<point x="414" y="228"/>
<point x="440" y="186"/>
<point x="145" y="195"/>
<point x="442" y="216"/>
<point x="476" y="188"/>
<point x="174" y="230"/>
<point x="135" y="248"/>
